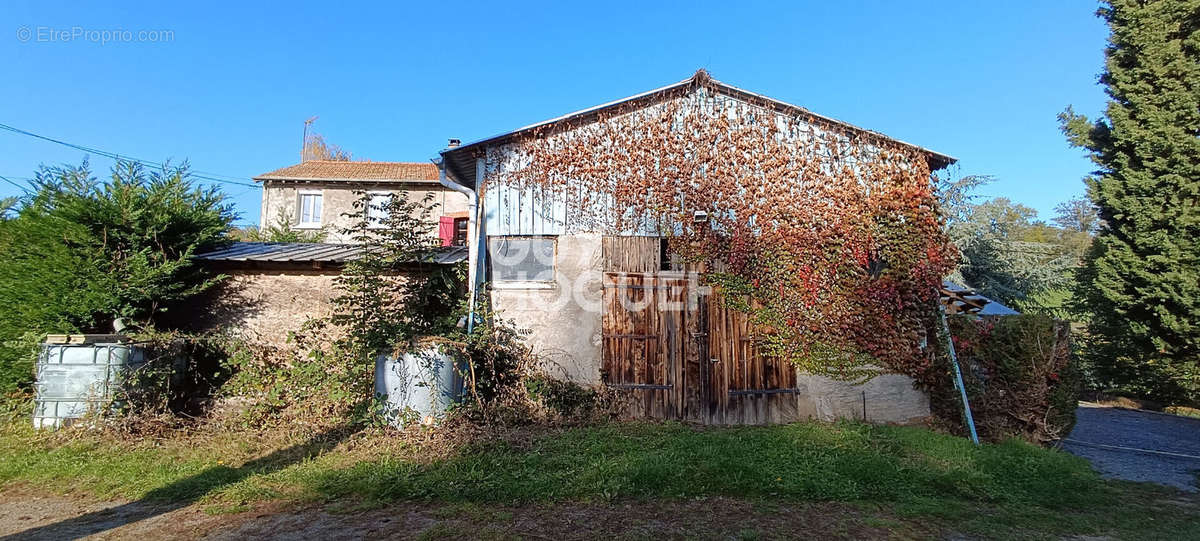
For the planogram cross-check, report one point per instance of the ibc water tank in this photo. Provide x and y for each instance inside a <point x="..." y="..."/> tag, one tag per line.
<point x="80" y="373"/>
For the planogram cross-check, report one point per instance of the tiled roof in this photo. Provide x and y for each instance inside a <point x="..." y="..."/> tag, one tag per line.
<point x="353" y="171"/>
<point x="305" y="252"/>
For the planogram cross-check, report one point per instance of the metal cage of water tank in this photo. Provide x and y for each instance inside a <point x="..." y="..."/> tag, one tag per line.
<point x="75" y="378"/>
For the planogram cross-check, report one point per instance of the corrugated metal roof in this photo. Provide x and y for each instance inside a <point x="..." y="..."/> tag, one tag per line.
<point x="311" y="252"/>
<point x="990" y="307"/>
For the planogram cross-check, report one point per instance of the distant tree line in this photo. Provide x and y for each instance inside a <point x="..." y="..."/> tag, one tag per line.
<point x="1012" y="257"/>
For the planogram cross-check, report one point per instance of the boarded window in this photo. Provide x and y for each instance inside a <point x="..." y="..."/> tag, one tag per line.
<point x="520" y="259"/>
<point x="632" y="254"/>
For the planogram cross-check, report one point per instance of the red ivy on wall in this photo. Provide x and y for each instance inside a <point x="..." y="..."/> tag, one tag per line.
<point x="832" y="239"/>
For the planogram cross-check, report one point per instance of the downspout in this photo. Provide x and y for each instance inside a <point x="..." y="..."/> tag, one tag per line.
<point x="472" y="270"/>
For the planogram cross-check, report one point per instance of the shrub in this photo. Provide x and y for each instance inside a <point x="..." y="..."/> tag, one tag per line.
<point x="1183" y="411"/>
<point x="1021" y="378"/>
<point x="81" y="253"/>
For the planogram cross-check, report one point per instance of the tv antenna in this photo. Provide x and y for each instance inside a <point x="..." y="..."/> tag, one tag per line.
<point x="304" y="143"/>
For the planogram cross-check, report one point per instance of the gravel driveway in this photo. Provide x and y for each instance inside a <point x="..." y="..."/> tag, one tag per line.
<point x="1138" y="445"/>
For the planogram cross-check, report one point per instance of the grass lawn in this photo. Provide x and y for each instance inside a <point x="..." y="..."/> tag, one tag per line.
<point x="897" y="479"/>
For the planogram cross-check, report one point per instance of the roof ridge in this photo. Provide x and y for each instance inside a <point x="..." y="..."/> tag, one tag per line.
<point x="701" y="78"/>
<point x="338" y="170"/>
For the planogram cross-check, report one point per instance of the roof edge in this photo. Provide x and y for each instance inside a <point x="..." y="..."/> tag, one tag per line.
<point x="700" y="78"/>
<point x="361" y="180"/>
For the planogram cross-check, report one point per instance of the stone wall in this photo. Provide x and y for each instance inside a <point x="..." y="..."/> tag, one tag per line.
<point x="262" y="306"/>
<point x="887" y="398"/>
<point x="561" y="320"/>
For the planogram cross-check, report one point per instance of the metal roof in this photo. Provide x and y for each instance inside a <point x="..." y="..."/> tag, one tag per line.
<point x="990" y="307"/>
<point x="312" y="252"/>
<point x="461" y="158"/>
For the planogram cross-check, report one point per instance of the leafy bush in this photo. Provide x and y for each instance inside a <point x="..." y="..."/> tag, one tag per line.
<point x="570" y="400"/>
<point x="1021" y="378"/>
<point x="316" y="383"/>
<point x="280" y="231"/>
<point x="81" y="253"/>
<point x="394" y="293"/>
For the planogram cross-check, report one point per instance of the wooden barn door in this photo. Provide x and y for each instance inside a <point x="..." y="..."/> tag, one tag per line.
<point x="742" y="385"/>
<point x="644" y="344"/>
<point x="676" y="350"/>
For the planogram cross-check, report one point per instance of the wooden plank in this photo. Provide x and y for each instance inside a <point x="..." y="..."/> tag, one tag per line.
<point x="631" y="254"/>
<point x="648" y="350"/>
<point x="719" y="381"/>
<point x="694" y="378"/>
<point x="706" y="400"/>
<point x="667" y="350"/>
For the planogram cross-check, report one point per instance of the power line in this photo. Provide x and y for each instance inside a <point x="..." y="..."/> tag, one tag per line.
<point x="20" y="187"/>
<point x="202" y="175"/>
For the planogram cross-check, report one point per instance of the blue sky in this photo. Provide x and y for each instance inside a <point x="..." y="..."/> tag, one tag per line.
<point x="231" y="87"/>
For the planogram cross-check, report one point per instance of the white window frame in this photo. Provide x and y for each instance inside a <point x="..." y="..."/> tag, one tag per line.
<point x="371" y="224"/>
<point x="300" y="223"/>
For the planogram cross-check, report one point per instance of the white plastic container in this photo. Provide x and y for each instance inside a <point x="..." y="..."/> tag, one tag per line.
<point x="418" y="386"/>
<point x="80" y="374"/>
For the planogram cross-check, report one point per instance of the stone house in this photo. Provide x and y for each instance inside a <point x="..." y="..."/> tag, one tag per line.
<point x="317" y="194"/>
<point x="273" y="288"/>
<point x="556" y="279"/>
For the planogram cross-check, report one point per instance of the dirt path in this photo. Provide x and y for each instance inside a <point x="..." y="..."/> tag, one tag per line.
<point x="1138" y="445"/>
<point x="26" y="514"/>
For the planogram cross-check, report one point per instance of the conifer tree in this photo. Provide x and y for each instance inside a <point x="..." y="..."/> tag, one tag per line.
<point x="1141" y="283"/>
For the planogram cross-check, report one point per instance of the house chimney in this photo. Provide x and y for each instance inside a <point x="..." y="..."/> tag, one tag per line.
<point x="454" y="143"/>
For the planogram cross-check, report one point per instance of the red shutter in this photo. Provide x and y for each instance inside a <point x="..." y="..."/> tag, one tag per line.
<point x="446" y="230"/>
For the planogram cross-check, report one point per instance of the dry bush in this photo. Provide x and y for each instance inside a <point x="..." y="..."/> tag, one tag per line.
<point x="1021" y="378"/>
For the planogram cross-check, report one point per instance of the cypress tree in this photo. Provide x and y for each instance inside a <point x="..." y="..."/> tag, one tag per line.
<point x="1141" y="281"/>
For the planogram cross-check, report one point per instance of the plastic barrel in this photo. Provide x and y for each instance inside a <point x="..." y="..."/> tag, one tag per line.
<point x="417" y="386"/>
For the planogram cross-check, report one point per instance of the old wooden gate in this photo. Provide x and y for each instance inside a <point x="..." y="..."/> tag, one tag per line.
<point x="676" y="351"/>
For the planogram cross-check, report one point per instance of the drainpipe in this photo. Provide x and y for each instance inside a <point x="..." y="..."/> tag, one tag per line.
<point x="472" y="270"/>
